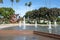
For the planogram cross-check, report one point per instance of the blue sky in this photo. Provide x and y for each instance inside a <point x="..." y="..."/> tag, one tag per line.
<point x="20" y="7"/>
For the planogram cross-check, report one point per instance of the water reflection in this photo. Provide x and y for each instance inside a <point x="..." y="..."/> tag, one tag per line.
<point x="35" y="24"/>
<point x="50" y="30"/>
<point x="19" y="37"/>
<point x="20" y="24"/>
<point x="50" y="25"/>
<point x="24" y="27"/>
<point x="25" y="37"/>
<point x="39" y="28"/>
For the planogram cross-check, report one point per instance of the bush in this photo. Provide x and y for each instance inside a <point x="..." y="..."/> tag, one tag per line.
<point x="58" y="19"/>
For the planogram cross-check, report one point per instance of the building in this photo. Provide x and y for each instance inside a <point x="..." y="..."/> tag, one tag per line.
<point x="14" y="18"/>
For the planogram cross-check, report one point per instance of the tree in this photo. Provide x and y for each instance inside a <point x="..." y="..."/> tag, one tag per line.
<point x="1" y="1"/>
<point x="32" y="14"/>
<point x="28" y="5"/>
<point x="13" y="1"/>
<point x="25" y="4"/>
<point x="6" y="13"/>
<point x="52" y="14"/>
<point x="44" y="13"/>
<point x="17" y="1"/>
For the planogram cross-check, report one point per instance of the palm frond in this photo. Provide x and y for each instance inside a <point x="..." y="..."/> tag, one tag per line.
<point x="1" y="1"/>
<point x="26" y="4"/>
<point x="12" y="2"/>
<point x="29" y="4"/>
<point x="17" y="1"/>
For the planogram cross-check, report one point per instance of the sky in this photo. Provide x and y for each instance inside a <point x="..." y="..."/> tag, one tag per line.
<point x="21" y="9"/>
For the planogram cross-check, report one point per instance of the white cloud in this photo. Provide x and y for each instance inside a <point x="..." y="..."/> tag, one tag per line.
<point x="20" y="12"/>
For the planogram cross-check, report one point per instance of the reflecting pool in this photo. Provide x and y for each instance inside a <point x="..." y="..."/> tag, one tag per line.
<point x="25" y="37"/>
<point x="39" y="28"/>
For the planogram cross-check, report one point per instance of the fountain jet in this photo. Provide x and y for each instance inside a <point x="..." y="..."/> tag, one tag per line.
<point x="24" y="24"/>
<point x="50" y="31"/>
<point x="35" y="24"/>
<point x="55" y="24"/>
<point x="20" y="24"/>
<point x="50" y="25"/>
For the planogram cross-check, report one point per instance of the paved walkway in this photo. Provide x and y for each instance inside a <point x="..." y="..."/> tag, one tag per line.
<point x="20" y="35"/>
<point x="8" y="25"/>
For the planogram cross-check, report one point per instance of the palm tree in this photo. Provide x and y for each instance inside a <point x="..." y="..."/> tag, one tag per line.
<point x="13" y="1"/>
<point x="17" y="1"/>
<point x="1" y="1"/>
<point x="25" y="4"/>
<point x="28" y="5"/>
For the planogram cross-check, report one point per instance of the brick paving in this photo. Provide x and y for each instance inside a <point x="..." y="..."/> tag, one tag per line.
<point x="19" y="35"/>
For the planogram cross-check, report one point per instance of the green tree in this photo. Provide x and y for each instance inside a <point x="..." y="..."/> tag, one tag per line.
<point x="1" y="1"/>
<point x="42" y="13"/>
<point x="28" y="5"/>
<point x="52" y="14"/>
<point x="13" y="1"/>
<point x="32" y="14"/>
<point x="6" y="12"/>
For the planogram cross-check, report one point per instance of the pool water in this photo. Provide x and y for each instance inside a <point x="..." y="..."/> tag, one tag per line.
<point x="25" y="37"/>
<point x="39" y="28"/>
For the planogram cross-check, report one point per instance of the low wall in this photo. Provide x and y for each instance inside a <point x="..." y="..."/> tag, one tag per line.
<point x="55" y="36"/>
<point x="27" y="32"/>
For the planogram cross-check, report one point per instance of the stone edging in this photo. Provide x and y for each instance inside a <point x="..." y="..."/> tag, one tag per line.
<point x="55" y="36"/>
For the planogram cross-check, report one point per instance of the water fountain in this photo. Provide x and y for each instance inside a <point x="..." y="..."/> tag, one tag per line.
<point x="19" y="23"/>
<point x="24" y="27"/>
<point x="55" y="24"/>
<point x="50" y="28"/>
<point x="50" y="31"/>
<point x="35" y="24"/>
<point x="50" y="25"/>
